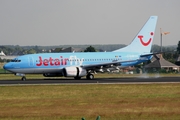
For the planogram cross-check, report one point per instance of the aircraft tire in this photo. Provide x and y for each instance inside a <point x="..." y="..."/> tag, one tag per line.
<point x="90" y="76"/>
<point x="23" y="78"/>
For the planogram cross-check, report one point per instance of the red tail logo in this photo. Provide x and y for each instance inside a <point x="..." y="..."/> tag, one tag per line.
<point x="145" y="43"/>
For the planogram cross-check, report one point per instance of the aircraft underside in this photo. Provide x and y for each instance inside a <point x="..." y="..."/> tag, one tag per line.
<point x="76" y="72"/>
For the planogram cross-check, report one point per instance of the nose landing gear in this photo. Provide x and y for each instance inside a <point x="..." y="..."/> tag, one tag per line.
<point x="23" y="76"/>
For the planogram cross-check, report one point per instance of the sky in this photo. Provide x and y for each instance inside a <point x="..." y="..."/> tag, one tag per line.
<point x="83" y="22"/>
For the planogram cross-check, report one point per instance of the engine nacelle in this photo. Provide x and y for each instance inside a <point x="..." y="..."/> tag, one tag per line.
<point x="74" y="72"/>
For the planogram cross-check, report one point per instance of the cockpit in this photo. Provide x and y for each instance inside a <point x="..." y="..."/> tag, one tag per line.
<point x="13" y="64"/>
<point x="15" y="60"/>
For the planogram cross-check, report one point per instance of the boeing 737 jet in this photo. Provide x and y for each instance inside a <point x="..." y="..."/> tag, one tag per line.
<point x="86" y="64"/>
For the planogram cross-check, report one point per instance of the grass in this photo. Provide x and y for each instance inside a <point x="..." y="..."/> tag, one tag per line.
<point x="72" y="102"/>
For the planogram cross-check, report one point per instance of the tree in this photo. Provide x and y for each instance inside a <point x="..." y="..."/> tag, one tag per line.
<point x="31" y="51"/>
<point x="57" y="50"/>
<point x="90" y="49"/>
<point x="36" y="48"/>
<point x="178" y="48"/>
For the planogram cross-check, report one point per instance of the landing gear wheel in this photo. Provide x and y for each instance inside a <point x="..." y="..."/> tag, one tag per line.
<point x="77" y="78"/>
<point x="90" y="76"/>
<point x="23" y="78"/>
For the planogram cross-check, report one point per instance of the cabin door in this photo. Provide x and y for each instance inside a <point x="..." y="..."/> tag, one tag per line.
<point x="31" y="61"/>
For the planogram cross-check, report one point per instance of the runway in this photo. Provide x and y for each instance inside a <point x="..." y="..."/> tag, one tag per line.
<point x="135" y="80"/>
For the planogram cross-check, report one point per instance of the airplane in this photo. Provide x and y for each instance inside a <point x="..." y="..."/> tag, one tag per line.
<point x="82" y="64"/>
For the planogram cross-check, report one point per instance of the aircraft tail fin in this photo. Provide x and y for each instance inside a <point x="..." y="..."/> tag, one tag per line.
<point x="142" y="43"/>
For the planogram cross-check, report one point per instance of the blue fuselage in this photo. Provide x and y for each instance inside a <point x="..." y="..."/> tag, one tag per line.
<point x="52" y="62"/>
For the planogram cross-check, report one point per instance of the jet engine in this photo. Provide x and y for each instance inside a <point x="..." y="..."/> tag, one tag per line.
<point x="74" y="72"/>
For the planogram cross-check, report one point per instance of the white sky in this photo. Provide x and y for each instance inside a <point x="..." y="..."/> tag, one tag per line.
<point x="73" y="22"/>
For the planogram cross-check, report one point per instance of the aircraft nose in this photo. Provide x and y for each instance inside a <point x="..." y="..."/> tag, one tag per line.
<point x="6" y="66"/>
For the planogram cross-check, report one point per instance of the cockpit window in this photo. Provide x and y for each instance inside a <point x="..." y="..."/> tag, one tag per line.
<point x="15" y="60"/>
<point x="12" y="60"/>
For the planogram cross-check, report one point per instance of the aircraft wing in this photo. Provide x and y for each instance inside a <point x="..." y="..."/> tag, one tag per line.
<point x="145" y="55"/>
<point x="104" y="65"/>
<point x="155" y="53"/>
<point x="99" y="65"/>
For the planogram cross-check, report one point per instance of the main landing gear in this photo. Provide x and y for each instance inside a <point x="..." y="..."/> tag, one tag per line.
<point x="89" y="76"/>
<point x="23" y="78"/>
